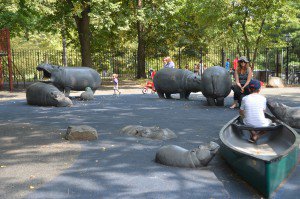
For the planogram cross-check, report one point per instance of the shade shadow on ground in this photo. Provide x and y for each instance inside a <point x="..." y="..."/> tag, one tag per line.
<point x="120" y="166"/>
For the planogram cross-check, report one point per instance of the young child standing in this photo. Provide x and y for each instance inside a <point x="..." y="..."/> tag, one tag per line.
<point x="116" y="84"/>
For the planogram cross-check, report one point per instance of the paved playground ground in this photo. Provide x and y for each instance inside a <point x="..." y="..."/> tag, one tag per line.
<point x="35" y="162"/>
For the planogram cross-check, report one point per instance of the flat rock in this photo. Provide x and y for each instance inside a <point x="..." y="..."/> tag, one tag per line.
<point x="153" y="132"/>
<point x="81" y="132"/>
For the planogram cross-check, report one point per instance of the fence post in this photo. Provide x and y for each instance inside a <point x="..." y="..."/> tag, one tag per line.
<point x="223" y="57"/>
<point x="135" y="64"/>
<point x="64" y="52"/>
<point x="277" y="62"/>
<point x="267" y="65"/>
<point x="201" y="61"/>
<point x="287" y="65"/>
<point x="1" y="75"/>
<point x="179" y="58"/>
<point x="9" y="59"/>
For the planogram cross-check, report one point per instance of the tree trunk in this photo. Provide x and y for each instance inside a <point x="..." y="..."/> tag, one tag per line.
<point x="257" y="42"/>
<point x="64" y="46"/>
<point x="84" y="33"/>
<point x="141" y="54"/>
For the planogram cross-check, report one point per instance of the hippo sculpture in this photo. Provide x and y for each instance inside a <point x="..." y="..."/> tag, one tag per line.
<point x="289" y="115"/>
<point x="87" y="94"/>
<point x="42" y="94"/>
<point x="172" y="155"/>
<point x="169" y="81"/>
<point x="216" y="85"/>
<point x="152" y="132"/>
<point x="70" y="78"/>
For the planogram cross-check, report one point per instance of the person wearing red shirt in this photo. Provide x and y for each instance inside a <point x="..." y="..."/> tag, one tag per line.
<point x="235" y="63"/>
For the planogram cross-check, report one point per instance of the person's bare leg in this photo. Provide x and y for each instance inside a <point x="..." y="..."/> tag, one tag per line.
<point x="253" y="136"/>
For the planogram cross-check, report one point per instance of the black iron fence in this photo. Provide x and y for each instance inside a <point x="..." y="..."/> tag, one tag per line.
<point x="269" y="62"/>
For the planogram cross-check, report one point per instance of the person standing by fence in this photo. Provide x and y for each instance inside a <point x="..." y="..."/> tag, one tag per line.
<point x="196" y="69"/>
<point x="227" y="64"/>
<point x="235" y="63"/>
<point x="168" y="63"/>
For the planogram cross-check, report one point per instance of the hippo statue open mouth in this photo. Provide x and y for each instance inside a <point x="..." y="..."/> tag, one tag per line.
<point x="70" y="78"/>
<point x="46" y="72"/>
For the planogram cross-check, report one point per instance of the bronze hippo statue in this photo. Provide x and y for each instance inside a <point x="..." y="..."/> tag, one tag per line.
<point x="287" y="114"/>
<point x="172" y="155"/>
<point x="216" y="85"/>
<point x="169" y="81"/>
<point x="42" y="94"/>
<point x="70" y="78"/>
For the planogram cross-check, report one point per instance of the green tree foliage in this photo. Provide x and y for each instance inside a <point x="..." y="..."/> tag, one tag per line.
<point x="154" y="27"/>
<point x="20" y="16"/>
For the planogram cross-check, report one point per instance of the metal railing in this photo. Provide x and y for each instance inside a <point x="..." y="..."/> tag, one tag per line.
<point x="269" y="62"/>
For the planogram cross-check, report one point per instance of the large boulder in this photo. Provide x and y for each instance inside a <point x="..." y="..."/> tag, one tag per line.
<point x="275" y="82"/>
<point x="81" y="132"/>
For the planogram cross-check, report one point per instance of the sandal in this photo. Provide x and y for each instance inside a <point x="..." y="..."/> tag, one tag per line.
<point x="251" y="140"/>
<point x="233" y="106"/>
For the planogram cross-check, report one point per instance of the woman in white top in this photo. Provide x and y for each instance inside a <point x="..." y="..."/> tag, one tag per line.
<point x="168" y="63"/>
<point x="252" y="110"/>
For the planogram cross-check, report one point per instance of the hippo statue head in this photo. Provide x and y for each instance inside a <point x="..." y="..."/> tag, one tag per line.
<point x="59" y="98"/>
<point x="88" y="89"/>
<point x="277" y="109"/>
<point x="48" y="71"/>
<point x="205" y="153"/>
<point x="194" y="82"/>
<point x="287" y="114"/>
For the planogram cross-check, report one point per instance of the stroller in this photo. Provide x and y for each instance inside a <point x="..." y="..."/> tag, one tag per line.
<point x="149" y="87"/>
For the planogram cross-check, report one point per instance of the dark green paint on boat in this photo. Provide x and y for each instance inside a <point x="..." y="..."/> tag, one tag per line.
<point x="263" y="165"/>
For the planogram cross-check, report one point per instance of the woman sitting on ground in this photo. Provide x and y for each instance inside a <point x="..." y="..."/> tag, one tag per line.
<point x="242" y="76"/>
<point x="252" y="110"/>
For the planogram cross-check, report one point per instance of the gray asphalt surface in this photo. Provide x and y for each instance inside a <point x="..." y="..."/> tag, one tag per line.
<point x="120" y="166"/>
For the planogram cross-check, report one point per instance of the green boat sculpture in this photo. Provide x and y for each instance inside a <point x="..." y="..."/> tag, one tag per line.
<point x="266" y="163"/>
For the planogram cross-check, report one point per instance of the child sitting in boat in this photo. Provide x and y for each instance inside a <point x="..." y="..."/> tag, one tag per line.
<point x="252" y="110"/>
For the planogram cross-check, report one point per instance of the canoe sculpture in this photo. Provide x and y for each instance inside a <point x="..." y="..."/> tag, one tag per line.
<point x="266" y="163"/>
